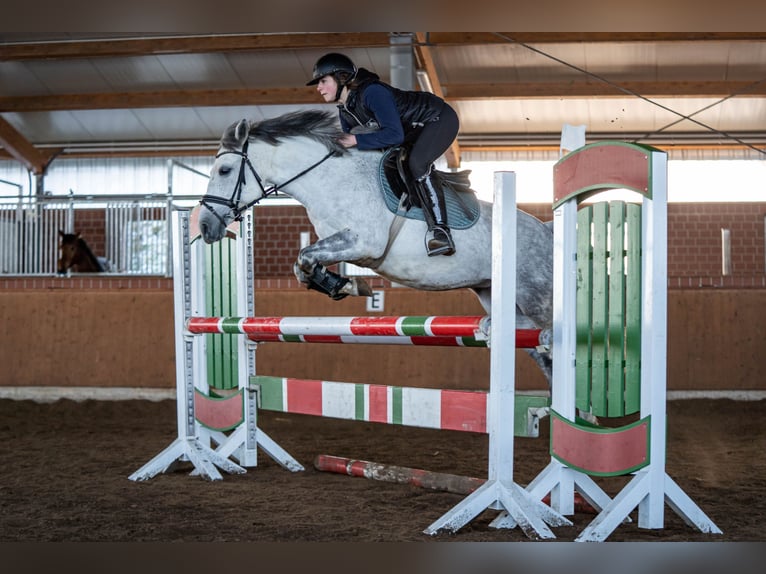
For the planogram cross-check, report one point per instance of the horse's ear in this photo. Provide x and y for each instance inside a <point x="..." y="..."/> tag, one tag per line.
<point x="236" y="134"/>
<point x="242" y="131"/>
<point x="61" y="233"/>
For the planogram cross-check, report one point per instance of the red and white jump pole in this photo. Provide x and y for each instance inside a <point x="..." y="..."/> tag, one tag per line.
<point x="462" y="331"/>
<point x="440" y="481"/>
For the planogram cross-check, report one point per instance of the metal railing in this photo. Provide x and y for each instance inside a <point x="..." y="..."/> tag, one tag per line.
<point x="135" y="239"/>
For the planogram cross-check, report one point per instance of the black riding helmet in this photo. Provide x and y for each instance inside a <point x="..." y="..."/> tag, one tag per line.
<point x="339" y="66"/>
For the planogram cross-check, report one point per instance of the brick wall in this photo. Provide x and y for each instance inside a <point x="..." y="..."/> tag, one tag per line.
<point x="90" y="224"/>
<point x="277" y="239"/>
<point x="694" y="237"/>
<point x="694" y="241"/>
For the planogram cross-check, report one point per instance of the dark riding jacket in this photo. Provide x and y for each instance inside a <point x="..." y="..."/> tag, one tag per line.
<point x="388" y="116"/>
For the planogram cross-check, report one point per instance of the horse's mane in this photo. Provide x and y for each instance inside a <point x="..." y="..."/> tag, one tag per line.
<point x="83" y="245"/>
<point x="319" y="125"/>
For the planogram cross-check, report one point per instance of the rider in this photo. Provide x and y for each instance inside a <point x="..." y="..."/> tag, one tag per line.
<point x="375" y="115"/>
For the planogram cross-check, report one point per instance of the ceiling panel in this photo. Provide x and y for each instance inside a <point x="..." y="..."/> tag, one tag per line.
<point x="17" y="79"/>
<point x="48" y="127"/>
<point x="77" y="76"/>
<point x="133" y="74"/>
<point x="112" y="125"/>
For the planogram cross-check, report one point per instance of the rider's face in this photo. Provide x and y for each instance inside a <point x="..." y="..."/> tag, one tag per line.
<point x="327" y="88"/>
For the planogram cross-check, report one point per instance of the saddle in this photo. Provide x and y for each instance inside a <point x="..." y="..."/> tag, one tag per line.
<point x="397" y="183"/>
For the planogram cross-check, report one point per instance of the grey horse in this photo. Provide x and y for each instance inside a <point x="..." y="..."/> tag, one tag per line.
<point x="297" y="154"/>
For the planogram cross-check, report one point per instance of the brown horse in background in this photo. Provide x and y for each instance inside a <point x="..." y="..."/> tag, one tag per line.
<point x="77" y="256"/>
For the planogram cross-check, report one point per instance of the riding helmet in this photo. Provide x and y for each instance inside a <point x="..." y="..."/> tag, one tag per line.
<point x="334" y="64"/>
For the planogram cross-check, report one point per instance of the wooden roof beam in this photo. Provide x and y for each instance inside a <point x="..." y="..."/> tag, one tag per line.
<point x="589" y="89"/>
<point x="212" y="43"/>
<point x="426" y="62"/>
<point x="160" y="99"/>
<point x="21" y="150"/>
<point x="120" y="47"/>
<point x="303" y="95"/>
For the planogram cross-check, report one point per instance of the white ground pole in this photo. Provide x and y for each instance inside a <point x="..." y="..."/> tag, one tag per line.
<point x="190" y="444"/>
<point x="650" y="487"/>
<point x="500" y="492"/>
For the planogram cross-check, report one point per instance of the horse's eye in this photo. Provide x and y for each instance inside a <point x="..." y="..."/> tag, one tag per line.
<point x="224" y="170"/>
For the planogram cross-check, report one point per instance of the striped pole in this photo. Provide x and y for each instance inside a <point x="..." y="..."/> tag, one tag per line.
<point x="440" y="481"/>
<point x="455" y="331"/>
<point x="398" y="474"/>
<point x="417" y="326"/>
<point x="408" y="406"/>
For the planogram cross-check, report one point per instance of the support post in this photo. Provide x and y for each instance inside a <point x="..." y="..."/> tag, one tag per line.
<point x="189" y="445"/>
<point x="500" y="492"/>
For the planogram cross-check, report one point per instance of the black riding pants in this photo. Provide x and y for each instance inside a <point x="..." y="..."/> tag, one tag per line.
<point x="433" y="140"/>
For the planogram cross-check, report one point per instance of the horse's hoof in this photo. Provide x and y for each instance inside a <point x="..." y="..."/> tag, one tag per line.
<point x="362" y="288"/>
<point x="588" y="417"/>
<point x="356" y="288"/>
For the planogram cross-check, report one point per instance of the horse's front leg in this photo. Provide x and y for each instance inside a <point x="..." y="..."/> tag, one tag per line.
<point x="311" y="266"/>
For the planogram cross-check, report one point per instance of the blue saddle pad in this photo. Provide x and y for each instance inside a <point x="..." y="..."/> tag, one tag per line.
<point x="462" y="207"/>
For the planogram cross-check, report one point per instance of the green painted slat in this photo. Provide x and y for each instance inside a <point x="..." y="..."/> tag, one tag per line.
<point x="220" y="356"/>
<point x="633" y="311"/>
<point x="583" y="309"/>
<point x="271" y="396"/>
<point x="221" y="301"/>
<point x="600" y="317"/>
<point x="211" y="342"/>
<point x="227" y="273"/>
<point x="359" y="402"/>
<point x="472" y="342"/>
<point x="616" y="336"/>
<point x="396" y="405"/>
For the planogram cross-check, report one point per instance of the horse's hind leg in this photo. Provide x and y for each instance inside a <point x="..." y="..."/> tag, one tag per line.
<point x="310" y="267"/>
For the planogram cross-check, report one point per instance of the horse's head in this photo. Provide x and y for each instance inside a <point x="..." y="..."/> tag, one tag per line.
<point x="68" y="248"/>
<point x="236" y="183"/>
<point x="227" y="193"/>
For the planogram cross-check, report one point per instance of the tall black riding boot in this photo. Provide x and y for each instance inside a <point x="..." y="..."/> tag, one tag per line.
<point x="438" y="237"/>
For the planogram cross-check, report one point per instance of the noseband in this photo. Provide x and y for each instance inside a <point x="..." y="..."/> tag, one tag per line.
<point x="233" y="202"/>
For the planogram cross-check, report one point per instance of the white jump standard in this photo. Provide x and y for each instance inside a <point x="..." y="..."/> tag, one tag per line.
<point x="190" y="445"/>
<point x="500" y="492"/>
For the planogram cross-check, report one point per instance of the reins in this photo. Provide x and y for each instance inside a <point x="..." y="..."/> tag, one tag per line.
<point x="233" y="202"/>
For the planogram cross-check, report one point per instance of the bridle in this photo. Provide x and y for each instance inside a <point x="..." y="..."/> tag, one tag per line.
<point x="234" y="202"/>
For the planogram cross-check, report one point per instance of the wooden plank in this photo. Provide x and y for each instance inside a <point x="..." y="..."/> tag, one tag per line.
<point x="452" y="155"/>
<point x="600" y="452"/>
<point x="220" y="301"/>
<point x="107" y="47"/>
<point x="161" y="99"/>
<point x="600" y="313"/>
<point x="21" y="149"/>
<point x="584" y="303"/>
<point x="616" y="335"/>
<point x="633" y="310"/>
<point x="601" y="166"/>
<point x="591" y="89"/>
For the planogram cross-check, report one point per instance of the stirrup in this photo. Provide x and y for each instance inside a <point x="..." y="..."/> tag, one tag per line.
<point x="439" y="241"/>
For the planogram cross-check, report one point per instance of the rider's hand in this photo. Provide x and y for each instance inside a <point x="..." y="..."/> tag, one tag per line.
<point x="347" y="140"/>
